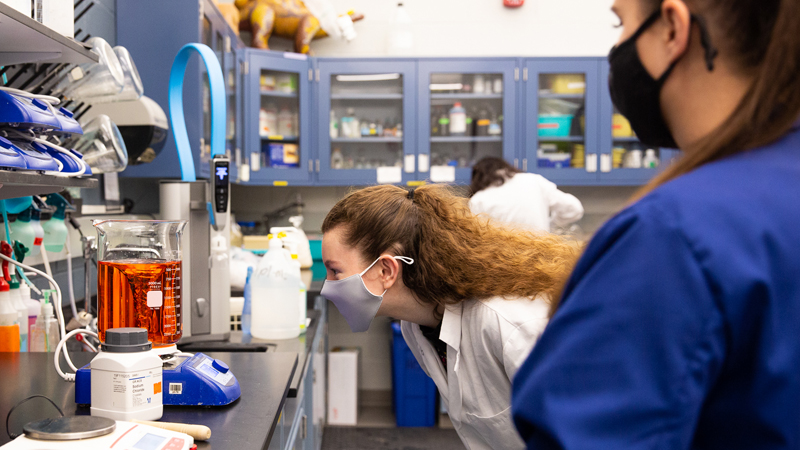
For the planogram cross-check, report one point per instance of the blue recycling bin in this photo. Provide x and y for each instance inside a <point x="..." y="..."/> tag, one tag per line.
<point x="414" y="392"/>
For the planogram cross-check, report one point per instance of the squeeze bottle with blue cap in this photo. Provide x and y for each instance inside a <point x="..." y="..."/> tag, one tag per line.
<point x="44" y="333"/>
<point x="55" y="230"/>
<point x="9" y="321"/>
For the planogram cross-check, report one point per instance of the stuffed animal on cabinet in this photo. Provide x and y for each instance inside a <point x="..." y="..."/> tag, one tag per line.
<point x="294" y="20"/>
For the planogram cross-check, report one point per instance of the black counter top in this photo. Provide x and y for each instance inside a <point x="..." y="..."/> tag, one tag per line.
<point x="300" y="345"/>
<point x="247" y="423"/>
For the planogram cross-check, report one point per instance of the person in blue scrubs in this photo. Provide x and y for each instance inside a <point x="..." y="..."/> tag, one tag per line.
<point x="680" y="325"/>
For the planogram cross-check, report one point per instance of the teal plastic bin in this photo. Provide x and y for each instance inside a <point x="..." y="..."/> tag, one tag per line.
<point x="555" y="125"/>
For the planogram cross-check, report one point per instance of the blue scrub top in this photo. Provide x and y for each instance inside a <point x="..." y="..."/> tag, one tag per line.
<point x="680" y="326"/>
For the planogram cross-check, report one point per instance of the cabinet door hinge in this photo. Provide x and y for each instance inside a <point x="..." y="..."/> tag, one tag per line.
<point x="525" y="74"/>
<point x="516" y="74"/>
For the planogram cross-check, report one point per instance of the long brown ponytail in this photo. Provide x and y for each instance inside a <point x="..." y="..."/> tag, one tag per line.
<point x="458" y="255"/>
<point x="763" y="37"/>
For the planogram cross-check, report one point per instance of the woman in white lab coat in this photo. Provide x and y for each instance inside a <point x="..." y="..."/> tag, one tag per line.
<point x="473" y="297"/>
<point x="530" y="200"/>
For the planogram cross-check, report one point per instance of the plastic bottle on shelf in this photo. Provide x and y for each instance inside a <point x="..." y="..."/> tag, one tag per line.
<point x="458" y="120"/>
<point x="337" y="160"/>
<point x="478" y="84"/>
<point x="444" y="124"/>
<point x="482" y="124"/>
<point x="398" y="130"/>
<point x="379" y="129"/>
<point x="38" y="233"/>
<point x="650" y="160"/>
<point x="9" y="321"/>
<point x="498" y="85"/>
<point x="364" y="129"/>
<point x="286" y="123"/>
<point x="44" y="333"/>
<point x="22" y="311"/>
<point x="55" y="230"/>
<point x="275" y="284"/>
<point x="22" y="230"/>
<point x="268" y="120"/>
<point x="487" y="85"/>
<point x="334" y="126"/>
<point x="494" y="127"/>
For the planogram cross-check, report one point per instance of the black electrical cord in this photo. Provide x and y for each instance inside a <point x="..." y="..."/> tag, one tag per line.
<point x="8" y="416"/>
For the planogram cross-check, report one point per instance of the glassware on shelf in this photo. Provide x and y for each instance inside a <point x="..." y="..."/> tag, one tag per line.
<point x="268" y="120"/>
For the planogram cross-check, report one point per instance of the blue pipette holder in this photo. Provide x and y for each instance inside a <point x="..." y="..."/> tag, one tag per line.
<point x="23" y="112"/>
<point x="67" y="123"/>
<point x="36" y="156"/>
<point x="10" y="157"/>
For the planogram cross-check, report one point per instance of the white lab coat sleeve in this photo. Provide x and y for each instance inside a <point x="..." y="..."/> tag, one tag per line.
<point x="519" y="344"/>
<point x="564" y="208"/>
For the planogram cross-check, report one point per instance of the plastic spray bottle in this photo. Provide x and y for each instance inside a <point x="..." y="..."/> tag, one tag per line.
<point x="9" y="320"/>
<point x="22" y="230"/>
<point x="9" y="274"/>
<point x="44" y="333"/>
<point x="38" y="231"/>
<point x="247" y="317"/>
<point x="55" y="230"/>
<point x="34" y="307"/>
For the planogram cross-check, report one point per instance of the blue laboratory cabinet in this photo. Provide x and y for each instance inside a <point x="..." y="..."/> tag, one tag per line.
<point x="365" y="121"/>
<point x="154" y="31"/>
<point x="277" y="118"/>
<point x="467" y="111"/>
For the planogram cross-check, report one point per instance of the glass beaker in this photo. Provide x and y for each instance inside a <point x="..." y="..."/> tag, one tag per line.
<point x="139" y="277"/>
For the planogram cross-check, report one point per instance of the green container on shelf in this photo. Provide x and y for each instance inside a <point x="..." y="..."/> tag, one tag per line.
<point x="555" y="125"/>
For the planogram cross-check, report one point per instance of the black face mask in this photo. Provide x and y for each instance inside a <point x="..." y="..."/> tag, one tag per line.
<point x="636" y="94"/>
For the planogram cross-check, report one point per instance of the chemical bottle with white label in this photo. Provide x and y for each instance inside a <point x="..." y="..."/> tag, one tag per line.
<point x="19" y="305"/>
<point x="274" y="289"/>
<point x="458" y="120"/>
<point x="44" y="333"/>
<point x="127" y="377"/>
<point x="9" y="320"/>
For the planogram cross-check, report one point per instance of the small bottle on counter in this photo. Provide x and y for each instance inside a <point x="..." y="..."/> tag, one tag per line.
<point x="247" y="316"/>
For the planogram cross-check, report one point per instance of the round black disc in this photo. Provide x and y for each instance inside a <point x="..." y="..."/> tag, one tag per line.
<point x="69" y="428"/>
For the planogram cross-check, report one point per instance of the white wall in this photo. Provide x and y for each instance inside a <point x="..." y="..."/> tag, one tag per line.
<point x="482" y="28"/>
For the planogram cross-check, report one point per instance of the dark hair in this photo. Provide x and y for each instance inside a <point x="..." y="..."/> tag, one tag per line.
<point x="490" y="172"/>
<point x="457" y="254"/>
<point x="761" y="37"/>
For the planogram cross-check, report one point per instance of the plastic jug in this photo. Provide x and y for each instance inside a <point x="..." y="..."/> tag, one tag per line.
<point x="294" y="235"/>
<point x="274" y="291"/>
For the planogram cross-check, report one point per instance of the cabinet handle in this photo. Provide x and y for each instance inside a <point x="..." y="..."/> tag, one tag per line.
<point x="317" y="166"/>
<point x="524" y="164"/>
<point x="516" y="163"/>
<point x="317" y="75"/>
<point x="516" y="74"/>
<point x="310" y="74"/>
<point x="304" y="424"/>
<point x="310" y="165"/>
<point x="591" y="162"/>
<point x="525" y="74"/>
<point x="605" y="162"/>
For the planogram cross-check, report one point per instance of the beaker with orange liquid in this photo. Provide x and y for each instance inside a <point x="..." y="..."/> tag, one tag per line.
<point x="139" y="280"/>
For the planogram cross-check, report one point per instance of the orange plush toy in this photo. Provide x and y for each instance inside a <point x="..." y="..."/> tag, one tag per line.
<point x="290" y="19"/>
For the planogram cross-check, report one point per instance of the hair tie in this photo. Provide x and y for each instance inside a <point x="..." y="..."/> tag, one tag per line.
<point x="410" y="195"/>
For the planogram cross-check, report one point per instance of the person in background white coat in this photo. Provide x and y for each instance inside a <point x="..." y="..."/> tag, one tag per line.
<point x="473" y="297"/>
<point x="529" y="200"/>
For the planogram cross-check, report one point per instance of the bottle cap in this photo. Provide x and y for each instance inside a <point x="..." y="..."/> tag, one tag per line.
<point x="126" y="340"/>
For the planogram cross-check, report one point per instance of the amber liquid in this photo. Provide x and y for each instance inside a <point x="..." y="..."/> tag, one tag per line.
<point x="124" y="289"/>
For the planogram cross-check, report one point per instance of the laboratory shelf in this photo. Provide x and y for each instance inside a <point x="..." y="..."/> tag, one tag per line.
<point x="626" y="139"/>
<point x="22" y="184"/>
<point x="366" y="96"/>
<point x="563" y="96"/>
<point x="277" y="138"/>
<point x="435" y="139"/>
<point x="367" y="140"/>
<point x="466" y="96"/>
<point x="24" y="40"/>
<point x="279" y="94"/>
<point x="561" y="139"/>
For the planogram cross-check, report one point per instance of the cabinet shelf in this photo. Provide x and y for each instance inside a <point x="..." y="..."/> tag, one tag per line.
<point x="563" y="96"/>
<point x="466" y="96"/>
<point x="22" y="184"/>
<point x="561" y="139"/>
<point x="24" y="40"/>
<point x="366" y="96"/>
<point x="278" y="138"/>
<point x="367" y="140"/>
<point x="277" y="94"/>
<point x="443" y="139"/>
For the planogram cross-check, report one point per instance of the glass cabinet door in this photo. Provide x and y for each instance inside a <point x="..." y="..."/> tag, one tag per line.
<point x="363" y="121"/>
<point x="561" y="119"/>
<point x="469" y="115"/>
<point x="278" y="118"/>
<point x="623" y="159"/>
